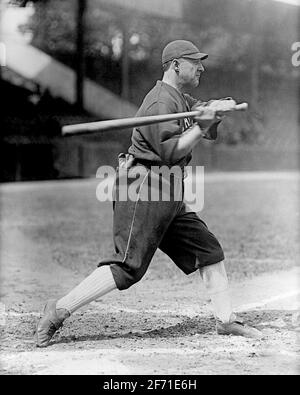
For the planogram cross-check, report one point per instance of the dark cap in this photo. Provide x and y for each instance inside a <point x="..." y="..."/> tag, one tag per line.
<point x="181" y="49"/>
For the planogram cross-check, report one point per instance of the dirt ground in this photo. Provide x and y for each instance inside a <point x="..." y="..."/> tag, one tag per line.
<point x="54" y="233"/>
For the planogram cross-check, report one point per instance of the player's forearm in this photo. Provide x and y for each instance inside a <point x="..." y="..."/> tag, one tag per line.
<point x="188" y="140"/>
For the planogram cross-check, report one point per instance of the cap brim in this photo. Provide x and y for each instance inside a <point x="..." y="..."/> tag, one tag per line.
<point x="196" y="56"/>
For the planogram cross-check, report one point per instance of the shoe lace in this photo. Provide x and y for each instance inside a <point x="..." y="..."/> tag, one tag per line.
<point x="52" y="329"/>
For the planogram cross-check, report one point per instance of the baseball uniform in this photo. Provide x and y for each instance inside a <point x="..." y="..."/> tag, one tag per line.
<point x="141" y="225"/>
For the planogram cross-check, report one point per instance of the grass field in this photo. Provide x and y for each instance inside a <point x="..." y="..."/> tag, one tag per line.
<point x="54" y="233"/>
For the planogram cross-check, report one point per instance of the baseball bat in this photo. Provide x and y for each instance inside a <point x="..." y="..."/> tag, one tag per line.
<point x="125" y="123"/>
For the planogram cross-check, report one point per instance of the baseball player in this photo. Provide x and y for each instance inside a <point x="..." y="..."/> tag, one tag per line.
<point x="141" y="226"/>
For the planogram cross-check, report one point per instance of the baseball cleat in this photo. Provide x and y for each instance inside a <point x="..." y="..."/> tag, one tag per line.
<point x="49" y="323"/>
<point x="238" y="328"/>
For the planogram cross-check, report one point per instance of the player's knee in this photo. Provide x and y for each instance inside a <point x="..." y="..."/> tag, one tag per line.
<point x="129" y="281"/>
<point x="214" y="256"/>
<point x="218" y="255"/>
<point x="126" y="278"/>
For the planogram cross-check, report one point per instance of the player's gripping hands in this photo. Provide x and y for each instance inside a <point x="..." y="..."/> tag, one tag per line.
<point x="213" y="111"/>
<point x="222" y="106"/>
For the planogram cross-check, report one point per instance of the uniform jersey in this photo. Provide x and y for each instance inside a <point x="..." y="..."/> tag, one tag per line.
<point x="157" y="143"/>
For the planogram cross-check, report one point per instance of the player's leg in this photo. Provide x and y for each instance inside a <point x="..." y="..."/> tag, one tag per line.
<point x="139" y="226"/>
<point x="227" y="323"/>
<point x="190" y="244"/>
<point x="217" y="286"/>
<point x="97" y="284"/>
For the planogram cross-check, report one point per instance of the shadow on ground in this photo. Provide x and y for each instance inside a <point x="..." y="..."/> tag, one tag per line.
<point x="89" y="327"/>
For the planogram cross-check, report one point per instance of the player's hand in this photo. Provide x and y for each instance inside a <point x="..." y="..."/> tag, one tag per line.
<point x="125" y="161"/>
<point x="213" y="111"/>
<point x="222" y="106"/>
<point x="206" y="117"/>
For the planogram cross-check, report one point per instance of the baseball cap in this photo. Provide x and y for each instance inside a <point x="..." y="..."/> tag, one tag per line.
<point x="181" y="49"/>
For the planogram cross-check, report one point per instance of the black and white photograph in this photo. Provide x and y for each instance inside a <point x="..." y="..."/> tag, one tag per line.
<point x="149" y="190"/>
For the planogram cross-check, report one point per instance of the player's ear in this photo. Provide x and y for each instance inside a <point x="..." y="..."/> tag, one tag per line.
<point x="176" y="65"/>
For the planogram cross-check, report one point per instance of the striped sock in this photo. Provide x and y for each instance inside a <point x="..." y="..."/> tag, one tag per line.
<point x="97" y="284"/>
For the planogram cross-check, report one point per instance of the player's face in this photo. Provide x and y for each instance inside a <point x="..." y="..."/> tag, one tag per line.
<point x="190" y="71"/>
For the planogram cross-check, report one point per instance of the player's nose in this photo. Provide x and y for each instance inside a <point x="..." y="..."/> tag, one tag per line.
<point x="201" y="69"/>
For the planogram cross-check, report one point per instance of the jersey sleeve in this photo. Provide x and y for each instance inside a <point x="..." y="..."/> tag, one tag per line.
<point x="163" y="137"/>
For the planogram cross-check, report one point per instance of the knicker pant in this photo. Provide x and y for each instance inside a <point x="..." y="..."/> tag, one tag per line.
<point x="141" y="225"/>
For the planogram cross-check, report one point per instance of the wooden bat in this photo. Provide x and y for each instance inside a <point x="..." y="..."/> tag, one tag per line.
<point x="125" y="123"/>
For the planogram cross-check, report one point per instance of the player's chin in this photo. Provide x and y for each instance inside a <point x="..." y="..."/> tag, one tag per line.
<point x="193" y="83"/>
<point x="196" y="82"/>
